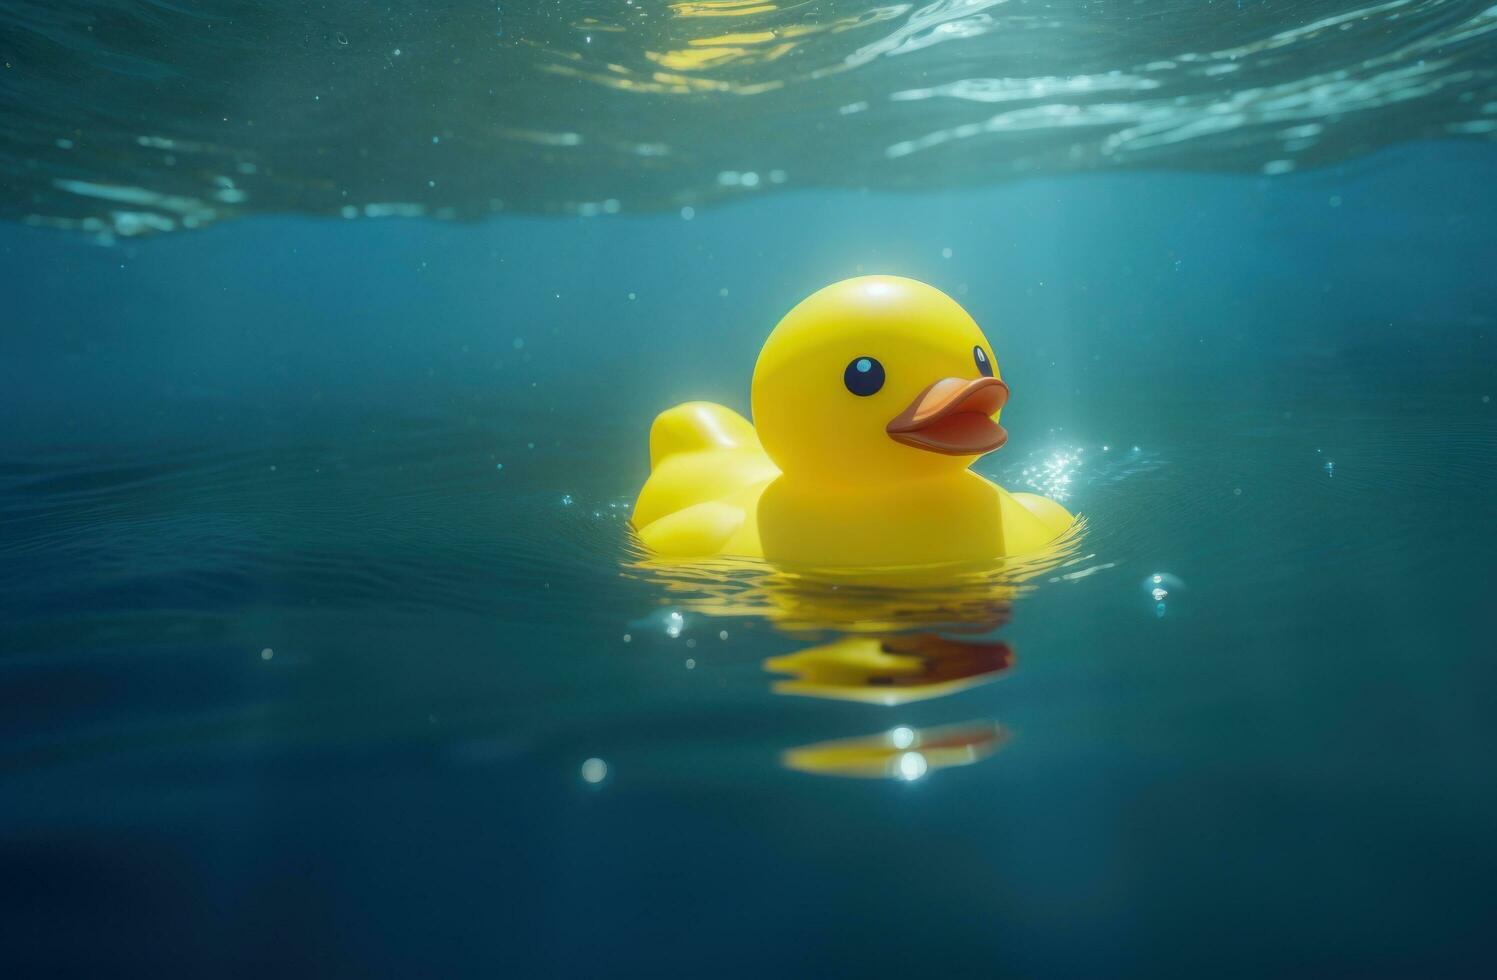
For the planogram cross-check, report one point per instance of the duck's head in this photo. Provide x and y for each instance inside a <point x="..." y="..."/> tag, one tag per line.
<point x="877" y="377"/>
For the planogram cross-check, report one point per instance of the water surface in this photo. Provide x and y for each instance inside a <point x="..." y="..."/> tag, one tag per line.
<point x="131" y="118"/>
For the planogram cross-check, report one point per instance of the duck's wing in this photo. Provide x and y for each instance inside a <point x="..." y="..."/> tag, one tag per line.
<point x="699" y="453"/>
<point x="687" y="479"/>
<point x="694" y="427"/>
<point x="699" y="531"/>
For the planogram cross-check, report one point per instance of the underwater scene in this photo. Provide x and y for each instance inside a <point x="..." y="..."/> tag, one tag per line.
<point x="975" y="488"/>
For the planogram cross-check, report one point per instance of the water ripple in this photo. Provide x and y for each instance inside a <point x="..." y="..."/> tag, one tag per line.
<point x="597" y="108"/>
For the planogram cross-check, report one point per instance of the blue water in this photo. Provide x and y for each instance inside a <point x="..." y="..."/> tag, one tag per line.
<point x="318" y="612"/>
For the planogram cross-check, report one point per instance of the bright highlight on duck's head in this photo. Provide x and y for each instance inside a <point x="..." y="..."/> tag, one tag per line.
<point x="877" y="376"/>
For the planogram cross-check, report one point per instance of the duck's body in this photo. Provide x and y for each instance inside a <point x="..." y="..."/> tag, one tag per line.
<point x="859" y="486"/>
<point x="713" y="490"/>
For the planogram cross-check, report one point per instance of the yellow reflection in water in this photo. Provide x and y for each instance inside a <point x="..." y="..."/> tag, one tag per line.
<point x="695" y="59"/>
<point x="901" y="753"/>
<point x="722" y="8"/>
<point x="667" y="57"/>
<point x="885" y="647"/>
<point x="701" y="58"/>
<point x="890" y="670"/>
<point x="893" y="670"/>
<point x="757" y="37"/>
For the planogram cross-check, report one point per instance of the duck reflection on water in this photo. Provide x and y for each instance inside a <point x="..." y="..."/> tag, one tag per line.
<point x="901" y="753"/>
<point x="884" y="638"/>
<point x="890" y="670"/>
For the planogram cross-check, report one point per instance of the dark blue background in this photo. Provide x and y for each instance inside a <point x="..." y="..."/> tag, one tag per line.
<point x="320" y="437"/>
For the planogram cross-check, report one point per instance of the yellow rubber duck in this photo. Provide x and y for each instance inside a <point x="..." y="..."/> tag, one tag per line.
<point x="870" y="400"/>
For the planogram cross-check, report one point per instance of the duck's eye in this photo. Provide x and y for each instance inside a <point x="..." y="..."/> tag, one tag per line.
<point x="863" y="376"/>
<point x="984" y="364"/>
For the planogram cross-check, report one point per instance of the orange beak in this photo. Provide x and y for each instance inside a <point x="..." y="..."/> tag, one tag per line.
<point x="953" y="416"/>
